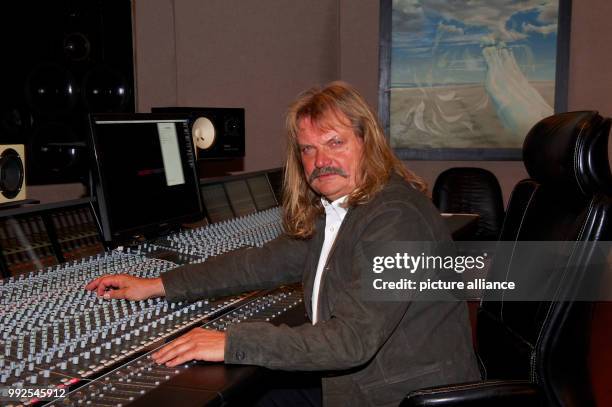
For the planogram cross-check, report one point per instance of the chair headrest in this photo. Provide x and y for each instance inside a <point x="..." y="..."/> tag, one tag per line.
<point x="570" y="151"/>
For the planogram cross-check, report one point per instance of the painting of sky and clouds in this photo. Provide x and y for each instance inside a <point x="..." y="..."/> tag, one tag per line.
<point x="470" y="73"/>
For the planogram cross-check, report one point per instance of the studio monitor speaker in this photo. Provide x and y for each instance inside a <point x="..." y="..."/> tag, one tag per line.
<point x="12" y="173"/>
<point x="63" y="60"/>
<point x="217" y="132"/>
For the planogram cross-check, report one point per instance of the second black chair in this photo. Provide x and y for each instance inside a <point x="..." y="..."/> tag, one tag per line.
<point x="472" y="190"/>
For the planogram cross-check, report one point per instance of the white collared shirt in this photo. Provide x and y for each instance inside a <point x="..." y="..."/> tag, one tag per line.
<point x="334" y="215"/>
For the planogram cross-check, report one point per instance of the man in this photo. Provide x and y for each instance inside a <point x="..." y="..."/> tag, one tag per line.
<point x="343" y="187"/>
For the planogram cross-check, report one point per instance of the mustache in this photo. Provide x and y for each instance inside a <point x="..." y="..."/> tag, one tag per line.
<point x="325" y="171"/>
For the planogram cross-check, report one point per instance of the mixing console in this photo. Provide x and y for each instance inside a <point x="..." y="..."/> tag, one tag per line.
<point x="218" y="238"/>
<point x="35" y="239"/>
<point x="141" y="376"/>
<point x="54" y="331"/>
<point x="77" y="233"/>
<point x="54" y="334"/>
<point x="26" y="244"/>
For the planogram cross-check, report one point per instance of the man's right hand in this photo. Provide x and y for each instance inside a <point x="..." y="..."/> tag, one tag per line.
<point x="127" y="287"/>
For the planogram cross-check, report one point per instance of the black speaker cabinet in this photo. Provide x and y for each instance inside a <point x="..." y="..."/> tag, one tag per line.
<point x="12" y="173"/>
<point x="62" y="60"/>
<point x="217" y="132"/>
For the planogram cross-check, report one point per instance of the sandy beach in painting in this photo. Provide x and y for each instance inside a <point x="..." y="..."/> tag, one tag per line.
<point x="457" y="116"/>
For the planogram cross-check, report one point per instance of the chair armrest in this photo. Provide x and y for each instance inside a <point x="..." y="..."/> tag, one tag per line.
<point x="498" y="393"/>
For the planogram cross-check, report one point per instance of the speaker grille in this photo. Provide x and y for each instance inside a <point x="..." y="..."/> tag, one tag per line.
<point x="12" y="173"/>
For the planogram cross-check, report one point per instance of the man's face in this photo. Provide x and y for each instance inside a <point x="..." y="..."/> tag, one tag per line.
<point x="331" y="158"/>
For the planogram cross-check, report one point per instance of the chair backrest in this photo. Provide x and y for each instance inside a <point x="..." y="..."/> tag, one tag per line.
<point x="471" y="190"/>
<point x="567" y="198"/>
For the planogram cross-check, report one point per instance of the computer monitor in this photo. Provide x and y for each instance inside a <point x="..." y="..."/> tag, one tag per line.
<point x="276" y="182"/>
<point x="216" y="202"/>
<point x="240" y="197"/>
<point x="262" y="192"/>
<point x="145" y="174"/>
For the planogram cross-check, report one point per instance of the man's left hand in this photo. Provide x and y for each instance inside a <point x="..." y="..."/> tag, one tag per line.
<point x="197" y="344"/>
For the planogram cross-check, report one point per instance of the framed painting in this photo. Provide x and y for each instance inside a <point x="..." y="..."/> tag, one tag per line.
<point x="466" y="80"/>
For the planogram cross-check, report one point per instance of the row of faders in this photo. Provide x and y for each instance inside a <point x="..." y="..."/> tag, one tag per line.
<point x="26" y="245"/>
<point x="130" y="382"/>
<point x="249" y="231"/>
<point x="55" y="333"/>
<point x="77" y="233"/>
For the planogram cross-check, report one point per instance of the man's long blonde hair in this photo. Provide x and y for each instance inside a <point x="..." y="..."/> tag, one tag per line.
<point x="336" y="103"/>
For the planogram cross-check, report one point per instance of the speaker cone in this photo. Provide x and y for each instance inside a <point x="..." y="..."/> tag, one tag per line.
<point x="11" y="173"/>
<point x="105" y="90"/>
<point x="203" y="133"/>
<point x="50" y="89"/>
<point x="76" y="46"/>
<point x="56" y="148"/>
<point x="232" y="127"/>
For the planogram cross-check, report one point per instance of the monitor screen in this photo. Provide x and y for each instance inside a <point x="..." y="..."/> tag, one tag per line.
<point x="276" y="181"/>
<point x="262" y="192"/>
<point x="216" y="203"/>
<point x="240" y="197"/>
<point x="146" y="174"/>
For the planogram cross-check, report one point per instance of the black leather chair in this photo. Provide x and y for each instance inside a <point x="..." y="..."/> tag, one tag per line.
<point x="471" y="190"/>
<point x="536" y="353"/>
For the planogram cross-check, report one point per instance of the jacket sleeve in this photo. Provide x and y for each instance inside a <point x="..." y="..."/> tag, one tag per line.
<point x="357" y="328"/>
<point x="279" y="261"/>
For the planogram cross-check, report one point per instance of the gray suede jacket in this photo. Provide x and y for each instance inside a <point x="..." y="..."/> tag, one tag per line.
<point x="377" y="351"/>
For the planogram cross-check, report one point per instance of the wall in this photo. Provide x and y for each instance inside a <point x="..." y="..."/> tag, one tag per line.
<point x="256" y="55"/>
<point x="590" y="85"/>
<point x="358" y="45"/>
<point x="154" y="54"/>
<point x="259" y="55"/>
